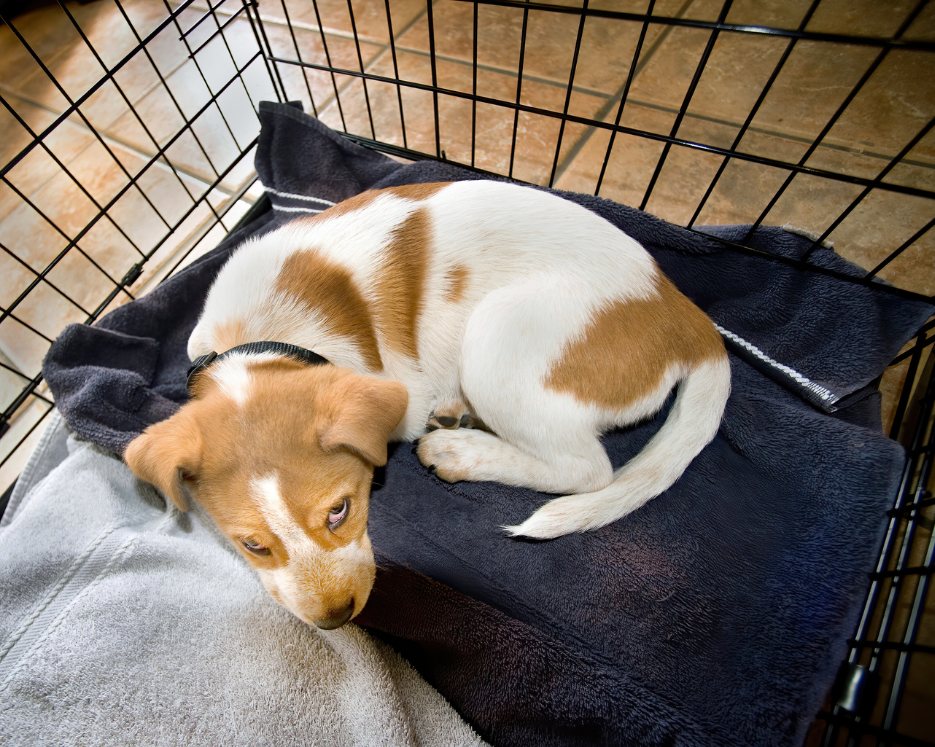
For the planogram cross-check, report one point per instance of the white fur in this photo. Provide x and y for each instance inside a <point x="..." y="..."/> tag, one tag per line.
<point x="534" y="263"/>
<point x="232" y="375"/>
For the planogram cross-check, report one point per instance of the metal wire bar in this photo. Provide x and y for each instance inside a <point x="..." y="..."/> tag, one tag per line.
<point x="883" y="736"/>
<point x="519" y="89"/>
<point x="902" y="247"/>
<point x="298" y="54"/>
<point x="867" y="41"/>
<point x="474" y="89"/>
<point x="220" y="32"/>
<point x="683" y="109"/>
<point x="837" y="114"/>
<point x="260" y="33"/>
<point x="205" y="16"/>
<point x="64" y="169"/>
<point x="625" y="95"/>
<point x="84" y="119"/>
<point x="756" y="107"/>
<point x="72" y="242"/>
<point x="330" y="68"/>
<point x="73" y="107"/>
<point x="430" y="18"/>
<point x="213" y="96"/>
<point x="165" y="85"/>
<point x="21" y="375"/>
<point x="40" y="279"/>
<point x="136" y="115"/>
<point x="159" y="154"/>
<point x="882" y="175"/>
<point x="131" y="277"/>
<point x="928" y="326"/>
<point x="360" y="62"/>
<point x="8" y="315"/>
<point x="894" y="646"/>
<point x="26" y="436"/>
<point x="399" y="90"/>
<point x="918" y="605"/>
<point x="130" y="106"/>
<point x="568" y="92"/>
<point x="197" y="240"/>
<point x="645" y="134"/>
<point x="912" y="482"/>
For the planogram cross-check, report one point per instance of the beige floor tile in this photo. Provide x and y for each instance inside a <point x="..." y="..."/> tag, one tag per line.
<point x="75" y="72"/>
<point x="876" y="227"/>
<point x="45" y="311"/>
<point x="537" y="135"/>
<point x="38" y="166"/>
<point x="783" y="14"/>
<point x="629" y="165"/>
<point x="311" y="47"/>
<point x="45" y="30"/>
<point x="881" y="223"/>
<point x="300" y="81"/>
<point x="605" y="54"/>
<point x="369" y="16"/>
<point x="11" y="384"/>
<point x="860" y="17"/>
<point x="890" y="110"/>
<point x="217" y="137"/>
<point x="923" y="28"/>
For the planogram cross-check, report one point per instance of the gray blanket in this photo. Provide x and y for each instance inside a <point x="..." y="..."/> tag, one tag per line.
<point x="127" y="624"/>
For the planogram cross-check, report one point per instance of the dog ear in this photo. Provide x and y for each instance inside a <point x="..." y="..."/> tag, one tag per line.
<point x="367" y="412"/>
<point x="167" y="455"/>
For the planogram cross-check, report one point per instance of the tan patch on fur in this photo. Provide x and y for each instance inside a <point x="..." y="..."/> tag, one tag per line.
<point x="229" y="335"/>
<point x="456" y="280"/>
<point x="329" y="289"/>
<point x="623" y="354"/>
<point x="400" y="281"/>
<point x="417" y="192"/>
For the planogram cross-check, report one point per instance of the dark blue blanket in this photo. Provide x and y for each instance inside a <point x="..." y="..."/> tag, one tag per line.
<point x="715" y="615"/>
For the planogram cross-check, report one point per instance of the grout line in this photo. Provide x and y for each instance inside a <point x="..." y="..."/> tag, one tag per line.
<point x="326" y="105"/>
<point x="612" y="100"/>
<point x="123" y="145"/>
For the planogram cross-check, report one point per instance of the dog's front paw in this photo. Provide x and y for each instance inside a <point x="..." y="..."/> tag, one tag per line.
<point x="448" y="454"/>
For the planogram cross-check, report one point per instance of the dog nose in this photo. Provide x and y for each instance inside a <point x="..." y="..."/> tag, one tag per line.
<point x="336" y="619"/>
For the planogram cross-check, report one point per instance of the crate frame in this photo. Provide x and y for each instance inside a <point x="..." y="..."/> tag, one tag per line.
<point x="865" y="704"/>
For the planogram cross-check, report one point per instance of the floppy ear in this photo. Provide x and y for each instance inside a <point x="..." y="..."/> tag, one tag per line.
<point x="367" y="411"/>
<point x="167" y="454"/>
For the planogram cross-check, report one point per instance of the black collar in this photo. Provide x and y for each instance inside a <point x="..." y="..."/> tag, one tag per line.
<point x="254" y="348"/>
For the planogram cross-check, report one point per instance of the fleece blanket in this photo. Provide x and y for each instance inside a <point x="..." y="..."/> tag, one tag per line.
<point x="125" y="624"/>
<point x="715" y="615"/>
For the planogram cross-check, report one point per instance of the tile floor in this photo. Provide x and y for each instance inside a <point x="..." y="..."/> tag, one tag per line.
<point x="124" y="175"/>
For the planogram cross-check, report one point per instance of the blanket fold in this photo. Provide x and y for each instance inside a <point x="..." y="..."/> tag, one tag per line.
<point x="715" y="615"/>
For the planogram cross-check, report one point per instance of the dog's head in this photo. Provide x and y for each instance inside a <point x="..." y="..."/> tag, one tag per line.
<point x="281" y="455"/>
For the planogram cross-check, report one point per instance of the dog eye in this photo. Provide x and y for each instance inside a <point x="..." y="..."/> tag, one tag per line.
<point x="337" y="514"/>
<point x="255" y="547"/>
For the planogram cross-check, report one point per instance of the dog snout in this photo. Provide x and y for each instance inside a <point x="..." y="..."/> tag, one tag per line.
<point x="336" y="617"/>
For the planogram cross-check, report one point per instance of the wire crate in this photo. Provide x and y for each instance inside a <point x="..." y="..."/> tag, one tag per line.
<point x="129" y="128"/>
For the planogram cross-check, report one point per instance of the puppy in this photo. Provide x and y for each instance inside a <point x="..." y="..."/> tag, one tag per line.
<point x="433" y="306"/>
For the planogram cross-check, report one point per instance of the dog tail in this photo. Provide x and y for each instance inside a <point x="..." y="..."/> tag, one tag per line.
<point x="692" y="422"/>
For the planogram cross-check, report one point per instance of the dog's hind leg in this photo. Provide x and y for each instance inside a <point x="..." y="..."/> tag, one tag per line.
<point x="540" y="438"/>
<point x="475" y="455"/>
